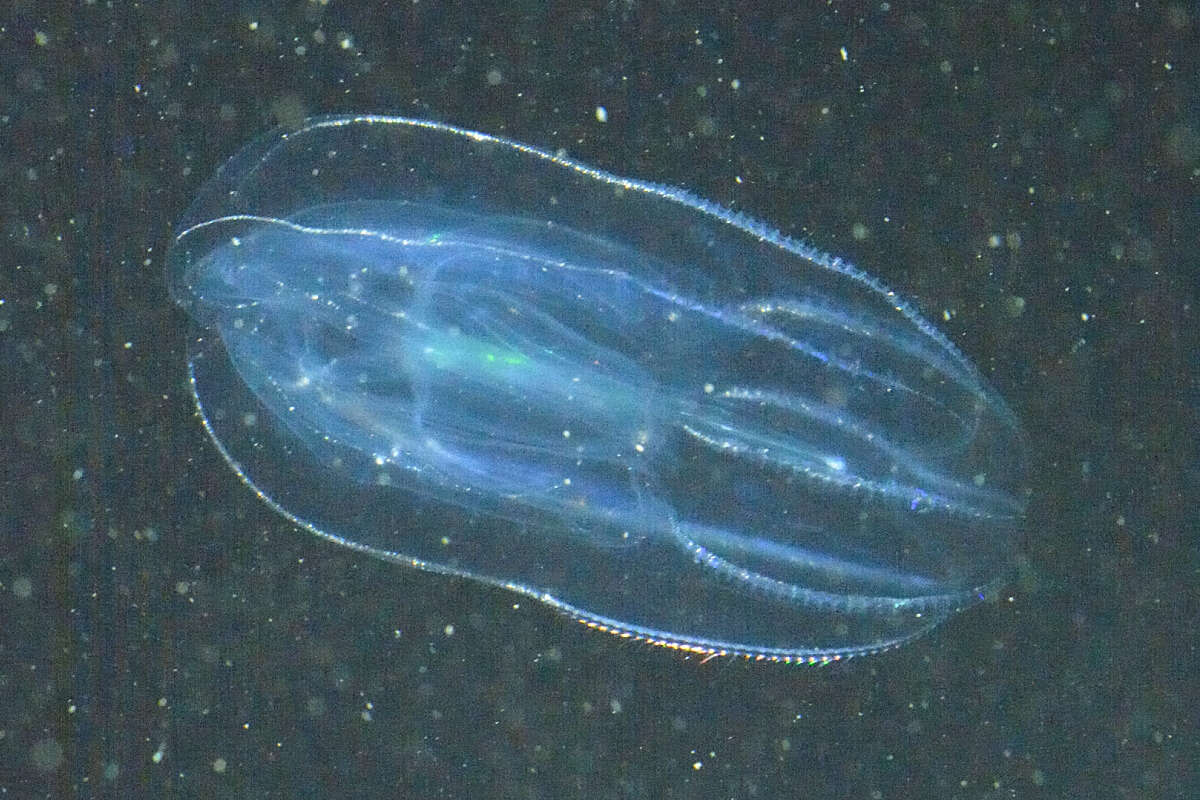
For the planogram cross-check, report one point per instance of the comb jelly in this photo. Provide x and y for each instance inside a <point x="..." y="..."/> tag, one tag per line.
<point x="664" y="419"/>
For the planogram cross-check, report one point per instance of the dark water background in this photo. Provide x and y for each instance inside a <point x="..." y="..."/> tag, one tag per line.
<point x="1028" y="173"/>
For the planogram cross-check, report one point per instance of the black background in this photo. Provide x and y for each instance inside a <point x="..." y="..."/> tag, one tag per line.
<point x="1027" y="172"/>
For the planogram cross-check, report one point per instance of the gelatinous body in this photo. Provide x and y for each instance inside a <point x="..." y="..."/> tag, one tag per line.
<point x="469" y="355"/>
